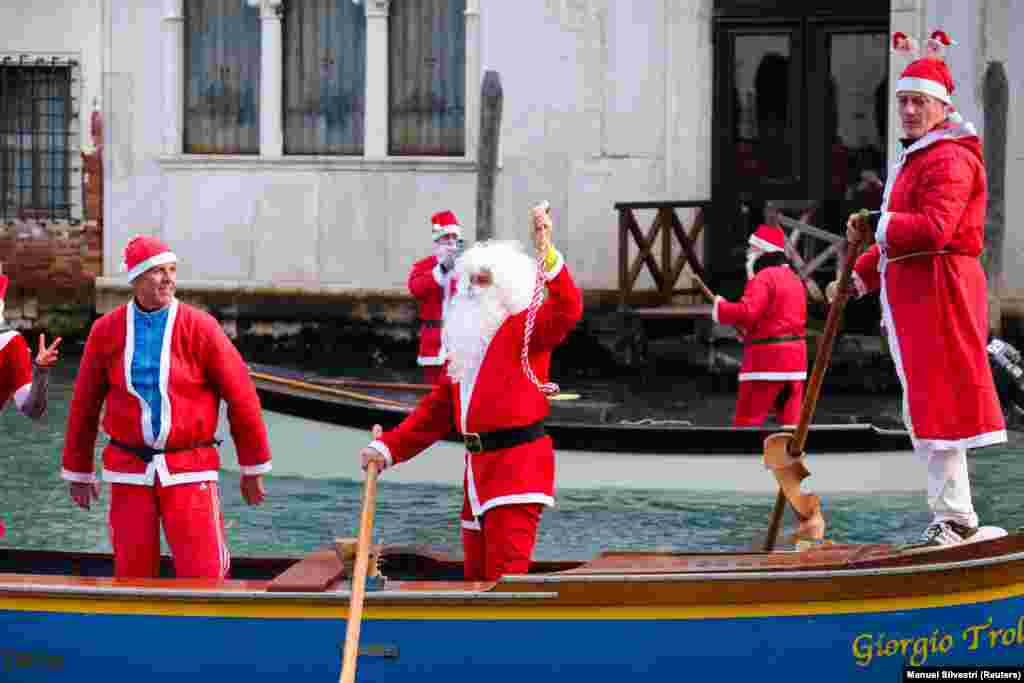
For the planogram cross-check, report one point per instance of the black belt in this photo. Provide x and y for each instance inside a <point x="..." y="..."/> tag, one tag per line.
<point x="432" y="323"/>
<point x="502" y="438"/>
<point x="775" y="340"/>
<point x="146" y="453"/>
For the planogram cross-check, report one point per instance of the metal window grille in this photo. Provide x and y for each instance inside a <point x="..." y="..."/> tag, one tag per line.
<point x="222" y="61"/>
<point x="427" y="44"/>
<point x="37" y="139"/>
<point x="324" y="77"/>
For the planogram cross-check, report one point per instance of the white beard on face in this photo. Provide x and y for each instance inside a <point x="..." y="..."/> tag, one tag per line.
<point x="473" y="318"/>
<point x="752" y="256"/>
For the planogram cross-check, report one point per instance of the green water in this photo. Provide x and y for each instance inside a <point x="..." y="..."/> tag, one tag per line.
<point x="302" y="514"/>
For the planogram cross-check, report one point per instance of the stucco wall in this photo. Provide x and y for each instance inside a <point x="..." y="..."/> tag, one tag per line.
<point x="605" y="101"/>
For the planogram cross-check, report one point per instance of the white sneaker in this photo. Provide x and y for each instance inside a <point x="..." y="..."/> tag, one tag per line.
<point x="946" y="533"/>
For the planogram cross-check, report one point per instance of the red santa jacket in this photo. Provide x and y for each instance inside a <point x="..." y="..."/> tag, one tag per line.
<point x="933" y="291"/>
<point x="772" y="317"/>
<point x="199" y="366"/>
<point x="15" y="367"/>
<point x="431" y="287"/>
<point x="501" y="397"/>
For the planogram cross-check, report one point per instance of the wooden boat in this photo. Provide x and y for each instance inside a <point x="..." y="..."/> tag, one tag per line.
<point x="838" y="612"/>
<point x="581" y="424"/>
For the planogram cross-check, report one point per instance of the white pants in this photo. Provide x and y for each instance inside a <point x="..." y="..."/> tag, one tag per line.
<point x="949" y="488"/>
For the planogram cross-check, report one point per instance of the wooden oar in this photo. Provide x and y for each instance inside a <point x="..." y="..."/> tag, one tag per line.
<point x="708" y="294"/>
<point x="794" y="443"/>
<point x="355" y="605"/>
<point x="330" y="391"/>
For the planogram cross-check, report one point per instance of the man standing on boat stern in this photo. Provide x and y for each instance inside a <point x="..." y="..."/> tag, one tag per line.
<point x="772" y="317"/>
<point x="431" y="281"/>
<point x="162" y="367"/>
<point x="494" y="393"/>
<point x="928" y="237"/>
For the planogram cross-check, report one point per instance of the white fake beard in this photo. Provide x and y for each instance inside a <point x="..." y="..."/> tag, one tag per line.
<point x="473" y="318"/>
<point x="751" y="258"/>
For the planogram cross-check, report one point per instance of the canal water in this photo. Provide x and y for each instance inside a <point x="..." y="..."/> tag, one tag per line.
<point x="307" y="506"/>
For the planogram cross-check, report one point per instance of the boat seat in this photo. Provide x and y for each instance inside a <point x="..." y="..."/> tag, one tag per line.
<point x="314" y="573"/>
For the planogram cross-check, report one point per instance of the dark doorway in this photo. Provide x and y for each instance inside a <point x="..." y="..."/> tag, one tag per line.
<point x="799" y="115"/>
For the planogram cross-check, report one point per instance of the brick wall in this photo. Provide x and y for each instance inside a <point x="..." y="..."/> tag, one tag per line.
<point x="53" y="265"/>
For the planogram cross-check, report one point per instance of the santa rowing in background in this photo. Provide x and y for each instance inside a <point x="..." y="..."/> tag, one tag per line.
<point x="499" y="336"/>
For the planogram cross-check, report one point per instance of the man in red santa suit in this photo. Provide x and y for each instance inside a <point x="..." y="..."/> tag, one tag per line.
<point x="431" y="281"/>
<point x="162" y="368"/>
<point x="495" y="401"/>
<point x="924" y="262"/>
<point x="772" y="319"/>
<point x="17" y="379"/>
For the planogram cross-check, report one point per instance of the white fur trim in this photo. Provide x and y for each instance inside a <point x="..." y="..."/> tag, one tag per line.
<point x="158" y="260"/>
<point x="516" y="499"/>
<point x="882" y="228"/>
<point x="253" y="470"/>
<point x="439" y="277"/>
<point x="6" y="337"/>
<point x="21" y="395"/>
<point x="714" y="309"/>
<point x="923" y="85"/>
<point x="763" y="245"/>
<point x="79" y="477"/>
<point x="977" y="441"/>
<point x="772" y="376"/>
<point x="431" y="360"/>
<point x="472" y="525"/>
<point x="383" y="449"/>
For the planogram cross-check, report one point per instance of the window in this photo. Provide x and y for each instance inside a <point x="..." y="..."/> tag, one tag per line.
<point x="35" y="148"/>
<point x="324" y="77"/>
<point x="222" y="87"/>
<point x="427" y="79"/>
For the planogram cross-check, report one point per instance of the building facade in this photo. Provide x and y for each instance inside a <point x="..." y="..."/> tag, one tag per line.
<point x="292" y="151"/>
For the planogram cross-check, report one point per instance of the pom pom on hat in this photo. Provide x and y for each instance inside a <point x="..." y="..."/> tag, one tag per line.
<point x="144" y="252"/>
<point x="444" y="223"/>
<point x="768" y="238"/>
<point x="4" y="281"/>
<point x="903" y="43"/>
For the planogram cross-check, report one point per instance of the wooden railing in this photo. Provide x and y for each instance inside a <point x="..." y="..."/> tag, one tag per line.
<point x="666" y="259"/>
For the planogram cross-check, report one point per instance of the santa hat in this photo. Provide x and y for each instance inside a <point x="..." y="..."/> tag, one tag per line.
<point x="768" y="238"/>
<point x="144" y="252"/>
<point x="4" y="281"/>
<point x="929" y="74"/>
<point x="444" y="223"/>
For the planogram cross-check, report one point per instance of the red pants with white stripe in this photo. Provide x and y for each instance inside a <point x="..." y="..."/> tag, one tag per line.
<point x="758" y="398"/>
<point x="504" y="543"/>
<point x="193" y="524"/>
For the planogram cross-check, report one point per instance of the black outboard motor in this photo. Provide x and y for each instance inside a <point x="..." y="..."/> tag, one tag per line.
<point x="1005" y="361"/>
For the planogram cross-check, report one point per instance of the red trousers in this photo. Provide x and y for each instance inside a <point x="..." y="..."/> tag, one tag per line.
<point x="758" y="398"/>
<point x="504" y="543"/>
<point x="193" y="525"/>
<point x="432" y="374"/>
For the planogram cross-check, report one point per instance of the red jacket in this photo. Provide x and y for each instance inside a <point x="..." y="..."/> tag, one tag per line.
<point x="201" y="367"/>
<point x="501" y="397"/>
<point x="15" y="366"/>
<point x="935" y="305"/>
<point x="773" y="306"/>
<point x="431" y="287"/>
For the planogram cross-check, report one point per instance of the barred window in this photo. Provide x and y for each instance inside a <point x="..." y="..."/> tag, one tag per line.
<point x="222" y="62"/>
<point x="427" y="58"/>
<point x="324" y="77"/>
<point x="35" y="138"/>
